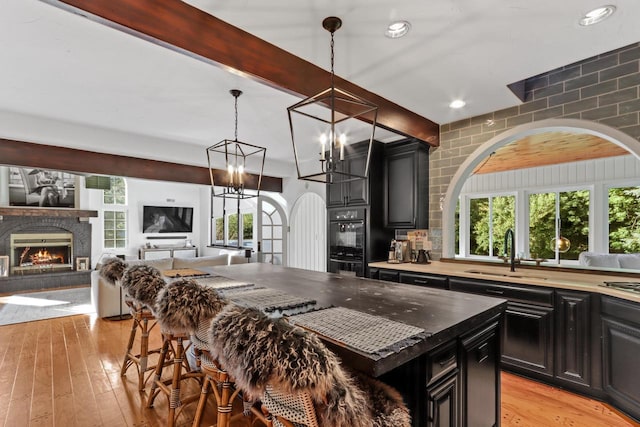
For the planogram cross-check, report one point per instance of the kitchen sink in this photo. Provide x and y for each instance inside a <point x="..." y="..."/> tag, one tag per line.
<point x="516" y="275"/>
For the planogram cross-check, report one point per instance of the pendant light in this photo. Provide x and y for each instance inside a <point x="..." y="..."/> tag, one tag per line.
<point x="229" y="161"/>
<point x="321" y="130"/>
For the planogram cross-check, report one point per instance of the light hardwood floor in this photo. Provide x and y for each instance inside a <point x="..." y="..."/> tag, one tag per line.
<point x="66" y="372"/>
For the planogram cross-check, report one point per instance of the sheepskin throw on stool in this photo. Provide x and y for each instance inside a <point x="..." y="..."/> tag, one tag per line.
<point x="112" y="270"/>
<point x="183" y="304"/>
<point x="258" y="351"/>
<point x="142" y="283"/>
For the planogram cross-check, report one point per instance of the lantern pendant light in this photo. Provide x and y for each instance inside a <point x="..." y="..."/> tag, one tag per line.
<point x="229" y="161"/>
<point x="320" y="156"/>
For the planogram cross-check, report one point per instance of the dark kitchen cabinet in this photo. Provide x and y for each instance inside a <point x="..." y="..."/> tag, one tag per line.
<point x="443" y="386"/>
<point x="573" y="337"/>
<point x="458" y="372"/>
<point x="620" y="353"/>
<point x="427" y="280"/>
<point x="355" y="192"/>
<point x="480" y="382"/>
<point x="406" y="185"/>
<point x="528" y="338"/>
<point x="389" y="275"/>
<point x="528" y="343"/>
<point x="443" y="403"/>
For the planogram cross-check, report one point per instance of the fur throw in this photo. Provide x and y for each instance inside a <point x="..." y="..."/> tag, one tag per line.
<point x="257" y="351"/>
<point x="388" y="407"/>
<point x="142" y="283"/>
<point x="112" y="270"/>
<point x="182" y="305"/>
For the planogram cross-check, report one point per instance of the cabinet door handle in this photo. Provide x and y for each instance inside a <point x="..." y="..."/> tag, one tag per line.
<point x="494" y="291"/>
<point x="446" y="362"/>
<point x="482" y="353"/>
<point x="420" y="281"/>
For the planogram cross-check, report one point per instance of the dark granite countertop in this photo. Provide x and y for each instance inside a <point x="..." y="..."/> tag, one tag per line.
<point x="444" y="315"/>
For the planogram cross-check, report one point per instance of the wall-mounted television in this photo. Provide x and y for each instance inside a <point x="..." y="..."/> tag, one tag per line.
<point x="167" y="219"/>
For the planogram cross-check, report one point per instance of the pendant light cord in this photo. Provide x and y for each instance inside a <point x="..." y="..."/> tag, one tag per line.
<point x="236" y="118"/>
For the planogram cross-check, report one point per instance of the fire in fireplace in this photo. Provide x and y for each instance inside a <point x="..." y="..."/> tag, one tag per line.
<point x="41" y="253"/>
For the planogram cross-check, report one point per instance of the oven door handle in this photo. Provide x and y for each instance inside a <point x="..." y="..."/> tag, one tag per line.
<point x="345" y="261"/>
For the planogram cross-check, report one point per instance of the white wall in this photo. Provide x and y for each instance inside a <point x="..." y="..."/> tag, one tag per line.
<point x="147" y="192"/>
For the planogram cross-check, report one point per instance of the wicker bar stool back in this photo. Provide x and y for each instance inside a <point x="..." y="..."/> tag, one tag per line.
<point x="217" y="380"/>
<point x="143" y="282"/>
<point x="298" y="380"/>
<point x="180" y="307"/>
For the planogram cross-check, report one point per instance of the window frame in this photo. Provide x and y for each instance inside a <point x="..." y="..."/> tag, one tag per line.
<point x="116" y="208"/>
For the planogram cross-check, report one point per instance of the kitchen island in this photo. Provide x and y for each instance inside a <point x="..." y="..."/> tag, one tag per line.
<point x="449" y="377"/>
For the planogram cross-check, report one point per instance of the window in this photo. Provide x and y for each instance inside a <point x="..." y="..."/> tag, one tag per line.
<point x="225" y="230"/>
<point x="115" y="215"/>
<point x="564" y="214"/>
<point x="489" y="220"/>
<point x="624" y="220"/>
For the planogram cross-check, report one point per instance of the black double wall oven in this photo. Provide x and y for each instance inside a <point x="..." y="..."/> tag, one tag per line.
<point x="347" y="241"/>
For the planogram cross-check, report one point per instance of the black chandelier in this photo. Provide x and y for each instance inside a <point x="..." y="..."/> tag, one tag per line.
<point x="329" y="115"/>
<point x="228" y="162"/>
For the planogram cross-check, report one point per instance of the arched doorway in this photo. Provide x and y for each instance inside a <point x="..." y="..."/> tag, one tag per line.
<point x="308" y="233"/>
<point x="568" y="125"/>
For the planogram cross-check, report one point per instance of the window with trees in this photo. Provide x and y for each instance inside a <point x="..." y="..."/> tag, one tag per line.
<point x="559" y="224"/>
<point x="489" y="220"/>
<point x="624" y="220"/>
<point x="226" y="228"/>
<point x="115" y="214"/>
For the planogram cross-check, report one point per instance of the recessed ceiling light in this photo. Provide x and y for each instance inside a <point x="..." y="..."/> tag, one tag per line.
<point x="458" y="103"/>
<point x="596" y="15"/>
<point x="397" y="29"/>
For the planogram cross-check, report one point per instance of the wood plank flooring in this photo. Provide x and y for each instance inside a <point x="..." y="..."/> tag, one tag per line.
<point x="66" y="372"/>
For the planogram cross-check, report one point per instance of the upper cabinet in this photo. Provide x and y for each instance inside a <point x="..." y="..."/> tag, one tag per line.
<point x="356" y="192"/>
<point x="406" y="185"/>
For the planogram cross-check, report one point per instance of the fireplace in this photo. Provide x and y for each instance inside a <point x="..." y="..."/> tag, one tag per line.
<point x="67" y="238"/>
<point x="36" y="253"/>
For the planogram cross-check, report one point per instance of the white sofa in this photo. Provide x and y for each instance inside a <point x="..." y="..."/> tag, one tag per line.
<point x="108" y="300"/>
<point x="596" y="259"/>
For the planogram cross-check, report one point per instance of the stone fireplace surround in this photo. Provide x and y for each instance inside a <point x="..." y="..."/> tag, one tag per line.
<point x="34" y="220"/>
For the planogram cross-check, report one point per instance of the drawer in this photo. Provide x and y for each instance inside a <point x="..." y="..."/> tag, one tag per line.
<point x="439" y="282"/>
<point x="389" y="275"/>
<point x="442" y="361"/>
<point x="533" y="294"/>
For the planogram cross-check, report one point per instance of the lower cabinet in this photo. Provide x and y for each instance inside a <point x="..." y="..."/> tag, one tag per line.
<point x="573" y="329"/>
<point x="528" y="343"/>
<point x="462" y="381"/>
<point x="480" y="382"/>
<point x="427" y="280"/>
<point x="443" y="402"/>
<point x="528" y="337"/>
<point x="620" y="353"/>
<point x="418" y="279"/>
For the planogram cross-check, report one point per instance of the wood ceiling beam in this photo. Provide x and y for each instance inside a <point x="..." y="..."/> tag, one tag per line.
<point x="188" y="30"/>
<point x="28" y="154"/>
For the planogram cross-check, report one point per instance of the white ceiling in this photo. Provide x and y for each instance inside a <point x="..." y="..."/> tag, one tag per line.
<point x="65" y="80"/>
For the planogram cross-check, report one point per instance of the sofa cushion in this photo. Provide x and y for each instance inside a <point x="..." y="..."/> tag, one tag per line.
<point x="594" y="259"/>
<point x="629" y="261"/>
<point x="203" y="261"/>
<point x="161" y="264"/>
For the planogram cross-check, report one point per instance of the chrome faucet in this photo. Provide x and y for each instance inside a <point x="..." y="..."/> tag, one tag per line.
<point x="510" y="238"/>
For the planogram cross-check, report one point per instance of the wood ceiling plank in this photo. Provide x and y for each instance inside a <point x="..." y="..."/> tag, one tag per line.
<point x="189" y="30"/>
<point x="549" y="148"/>
<point x="28" y="154"/>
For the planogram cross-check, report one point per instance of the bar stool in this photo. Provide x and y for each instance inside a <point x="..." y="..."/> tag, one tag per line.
<point x="180" y="307"/>
<point x="296" y="378"/>
<point x="216" y="381"/>
<point x="141" y="284"/>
